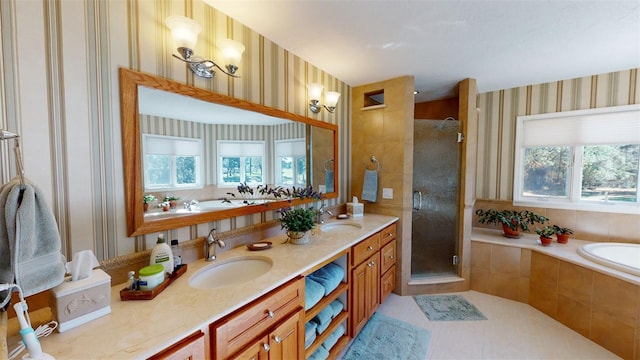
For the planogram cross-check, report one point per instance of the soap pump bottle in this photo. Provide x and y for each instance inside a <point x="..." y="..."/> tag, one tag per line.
<point x="161" y="254"/>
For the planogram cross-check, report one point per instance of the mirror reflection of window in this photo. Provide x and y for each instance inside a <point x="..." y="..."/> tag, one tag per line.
<point x="240" y="162"/>
<point x="171" y="163"/>
<point x="291" y="162"/>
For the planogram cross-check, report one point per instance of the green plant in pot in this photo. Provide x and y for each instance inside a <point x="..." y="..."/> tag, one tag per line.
<point x="298" y="222"/>
<point x="562" y="234"/>
<point x="172" y="200"/>
<point x="512" y="221"/>
<point x="545" y="234"/>
<point x="147" y="199"/>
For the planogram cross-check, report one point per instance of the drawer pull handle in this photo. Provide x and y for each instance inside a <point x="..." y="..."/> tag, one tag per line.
<point x="270" y="314"/>
<point x="277" y="339"/>
<point x="266" y="347"/>
<point x="390" y="257"/>
<point x="369" y="247"/>
<point x="371" y="263"/>
<point x="389" y="234"/>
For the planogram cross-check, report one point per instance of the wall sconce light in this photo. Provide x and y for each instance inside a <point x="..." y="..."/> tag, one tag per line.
<point x="315" y="92"/>
<point x="185" y="34"/>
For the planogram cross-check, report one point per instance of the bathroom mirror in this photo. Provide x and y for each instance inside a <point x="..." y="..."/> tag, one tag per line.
<point x="156" y="107"/>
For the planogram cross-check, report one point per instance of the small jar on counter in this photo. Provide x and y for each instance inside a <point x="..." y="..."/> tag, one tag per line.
<point x="150" y="277"/>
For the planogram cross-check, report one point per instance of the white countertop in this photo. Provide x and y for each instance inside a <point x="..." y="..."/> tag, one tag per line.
<point x="140" y="328"/>
<point x="567" y="252"/>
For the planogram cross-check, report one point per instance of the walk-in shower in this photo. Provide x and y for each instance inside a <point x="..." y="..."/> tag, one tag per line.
<point x="436" y="175"/>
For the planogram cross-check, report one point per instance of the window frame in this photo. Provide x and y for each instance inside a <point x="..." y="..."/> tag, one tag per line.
<point x="574" y="199"/>
<point x="298" y="144"/>
<point x="173" y="164"/>
<point x="238" y="145"/>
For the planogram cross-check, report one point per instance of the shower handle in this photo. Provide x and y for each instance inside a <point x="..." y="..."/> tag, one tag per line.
<point x="417" y="195"/>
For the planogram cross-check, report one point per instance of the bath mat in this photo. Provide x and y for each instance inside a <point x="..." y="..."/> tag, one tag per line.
<point x="388" y="338"/>
<point x="448" y="308"/>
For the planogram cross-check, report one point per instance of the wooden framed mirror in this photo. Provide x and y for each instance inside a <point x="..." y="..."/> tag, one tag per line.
<point x="154" y="107"/>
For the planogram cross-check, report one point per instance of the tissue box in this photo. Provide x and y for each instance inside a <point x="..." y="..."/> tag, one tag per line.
<point x="74" y="303"/>
<point x="355" y="209"/>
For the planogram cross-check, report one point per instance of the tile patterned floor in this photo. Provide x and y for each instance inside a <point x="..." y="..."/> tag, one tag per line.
<point x="513" y="331"/>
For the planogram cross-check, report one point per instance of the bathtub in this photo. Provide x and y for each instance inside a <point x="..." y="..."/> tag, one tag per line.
<point x="619" y="256"/>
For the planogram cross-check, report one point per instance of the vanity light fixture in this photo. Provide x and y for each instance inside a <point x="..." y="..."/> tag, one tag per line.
<point x="315" y="92"/>
<point x="185" y="34"/>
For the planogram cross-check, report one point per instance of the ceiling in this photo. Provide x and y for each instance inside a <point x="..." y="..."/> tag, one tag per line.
<point x="500" y="43"/>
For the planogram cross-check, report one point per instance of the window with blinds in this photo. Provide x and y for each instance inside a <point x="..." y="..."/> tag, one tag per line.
<point x="291" y="162"/>
<point x="241" y="162"/>
<point x="171" y="163"/>
<point x="586" y="159"/>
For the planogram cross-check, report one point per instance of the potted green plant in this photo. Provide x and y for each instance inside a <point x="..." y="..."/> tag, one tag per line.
<point x="512" y="221"/>
<point x="146" y="199"/>
<point x="545" y="234"/>
<point x="298" y="222"/>
<point x="172" y="200"/>
<point x="562" y="234"/>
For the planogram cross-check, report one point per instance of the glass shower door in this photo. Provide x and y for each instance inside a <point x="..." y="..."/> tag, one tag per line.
<point x="436" y="174"/>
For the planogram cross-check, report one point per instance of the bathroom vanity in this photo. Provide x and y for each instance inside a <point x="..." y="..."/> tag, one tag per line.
<point x="263" y="316"/>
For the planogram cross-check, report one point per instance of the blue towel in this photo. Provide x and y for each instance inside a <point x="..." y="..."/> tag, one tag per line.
<point x="370" y="186"/>
<point x="320" y="354"/>
<point x="322" y="327"/>
<point x="324" y="316"/>
<point x="328" y="276"/>
<point x="328" y="180"/>
<point x="309" y="333"/>
<point x="313" y="292"/>
<point x="336" y="307"/>
<point x="334" y="337"/>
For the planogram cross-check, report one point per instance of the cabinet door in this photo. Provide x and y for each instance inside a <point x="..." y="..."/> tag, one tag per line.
<point x="287" y="340"/>
<point x="259" y="350"/>
<point x="388" y="256"/>
<point x="387" y="284"/>
<point x="189" y="348"/>
<point x="364" y="292"/>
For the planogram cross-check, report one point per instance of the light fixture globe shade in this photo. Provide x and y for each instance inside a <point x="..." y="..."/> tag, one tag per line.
<point x="184" y="31"/>
<point x="315" y="91"/>
<point x="231" y="51"/>
<point x="331" y="98"/>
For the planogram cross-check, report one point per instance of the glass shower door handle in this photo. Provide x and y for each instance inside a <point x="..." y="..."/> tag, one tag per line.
<point x="417" y="200"/>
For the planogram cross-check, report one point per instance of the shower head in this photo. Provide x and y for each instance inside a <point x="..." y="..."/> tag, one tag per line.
<point x="4" y="135"/>
<point x="441" y="125"/>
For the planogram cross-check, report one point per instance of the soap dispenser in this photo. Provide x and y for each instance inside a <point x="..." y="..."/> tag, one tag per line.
<point x="161" y="254"/>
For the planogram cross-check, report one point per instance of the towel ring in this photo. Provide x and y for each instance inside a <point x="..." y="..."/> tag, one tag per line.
<point x="325" y="164"/>
<point x="373" y="160"/>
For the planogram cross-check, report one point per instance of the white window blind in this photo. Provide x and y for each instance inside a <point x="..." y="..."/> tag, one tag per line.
<point x="165" y="145"/>
<point x="621" y="125"/>
<point x="295" y="147"/>
<point x="240" y="149"/>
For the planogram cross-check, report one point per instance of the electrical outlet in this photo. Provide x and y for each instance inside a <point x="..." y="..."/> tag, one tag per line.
<point x="387" y="193"/>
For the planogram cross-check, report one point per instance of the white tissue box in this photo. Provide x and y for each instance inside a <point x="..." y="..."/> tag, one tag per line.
<point x="355" y="209"/>
<point x="74" y="303"/>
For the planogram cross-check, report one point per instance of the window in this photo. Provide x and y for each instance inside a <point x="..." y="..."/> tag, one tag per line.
<point x="291" y="162"/>
<point x="239" y="162"/>
<point x="586" y="159"/>
<point x="171" y="163"/>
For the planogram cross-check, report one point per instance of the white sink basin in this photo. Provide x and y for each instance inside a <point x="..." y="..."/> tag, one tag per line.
<point x="230" y="272"/>
<point x="340" y="227"/>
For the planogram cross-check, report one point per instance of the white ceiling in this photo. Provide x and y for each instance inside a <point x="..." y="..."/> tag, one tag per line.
<point x="500" y="43"/>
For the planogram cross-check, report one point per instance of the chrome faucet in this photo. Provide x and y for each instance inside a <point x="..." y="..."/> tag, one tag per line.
<point x="188" y="205"/>
<point x="319" y="214"/>
<point x="210" y="243"/>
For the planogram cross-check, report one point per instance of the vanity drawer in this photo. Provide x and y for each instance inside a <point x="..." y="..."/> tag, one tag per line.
<point x="233" y="333"/>
<point x="388" y="256"/>
<point x="387" y="234"/>
<point x="365" y="248"/>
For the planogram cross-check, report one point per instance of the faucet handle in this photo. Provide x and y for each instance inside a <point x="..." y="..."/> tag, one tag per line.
<point x="221" y="244"/>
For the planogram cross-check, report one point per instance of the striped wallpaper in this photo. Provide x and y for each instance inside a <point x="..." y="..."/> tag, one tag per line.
<point x="61" y="97"/>
<point x="499" y="109"/>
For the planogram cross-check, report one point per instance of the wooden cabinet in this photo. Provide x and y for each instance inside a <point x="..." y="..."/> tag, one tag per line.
<point x="191" y="347"/>
<point x="244" y="329"/>
<point x="372" y="276"/>
<point x="285" y="341"/>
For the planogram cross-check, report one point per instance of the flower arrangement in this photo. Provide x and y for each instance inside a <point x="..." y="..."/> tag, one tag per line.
<point x="148" y="198"/>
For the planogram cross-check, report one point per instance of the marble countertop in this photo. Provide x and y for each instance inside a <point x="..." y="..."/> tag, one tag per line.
<point x="141" y="328"/>
<point x="567" y="252"/>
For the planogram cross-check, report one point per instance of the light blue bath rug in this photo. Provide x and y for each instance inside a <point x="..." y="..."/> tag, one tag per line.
<point x="387" y="338"/>
<point x="448" y="308"/>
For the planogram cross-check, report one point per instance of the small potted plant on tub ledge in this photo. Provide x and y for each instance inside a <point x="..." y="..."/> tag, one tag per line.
<point x="146" y="200"/>
<point x="562" y="234"/>
<point x="172" y="200"/>
<point x="545" y="235"/>
<point x="512" y="221"/>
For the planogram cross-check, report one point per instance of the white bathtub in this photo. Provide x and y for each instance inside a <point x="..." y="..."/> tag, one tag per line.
<point x="620" y="256"/>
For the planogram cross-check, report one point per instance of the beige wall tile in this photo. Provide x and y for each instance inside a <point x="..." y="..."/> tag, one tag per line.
<point x="592" y="226"/>
<point x="505" y="260"/>
<point x="543" y="289"/>
<point x="574" y="314"/>
<point x="624" y="228"/>
<point x="612" y="335"/>
<point x="616" y="299"/>
<point x="575" y="282"/>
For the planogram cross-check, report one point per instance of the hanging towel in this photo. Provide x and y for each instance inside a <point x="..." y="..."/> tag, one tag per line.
<point x="29" y="240"/>
<point x="328" y="180"/>
<point x="370" y="186"/>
